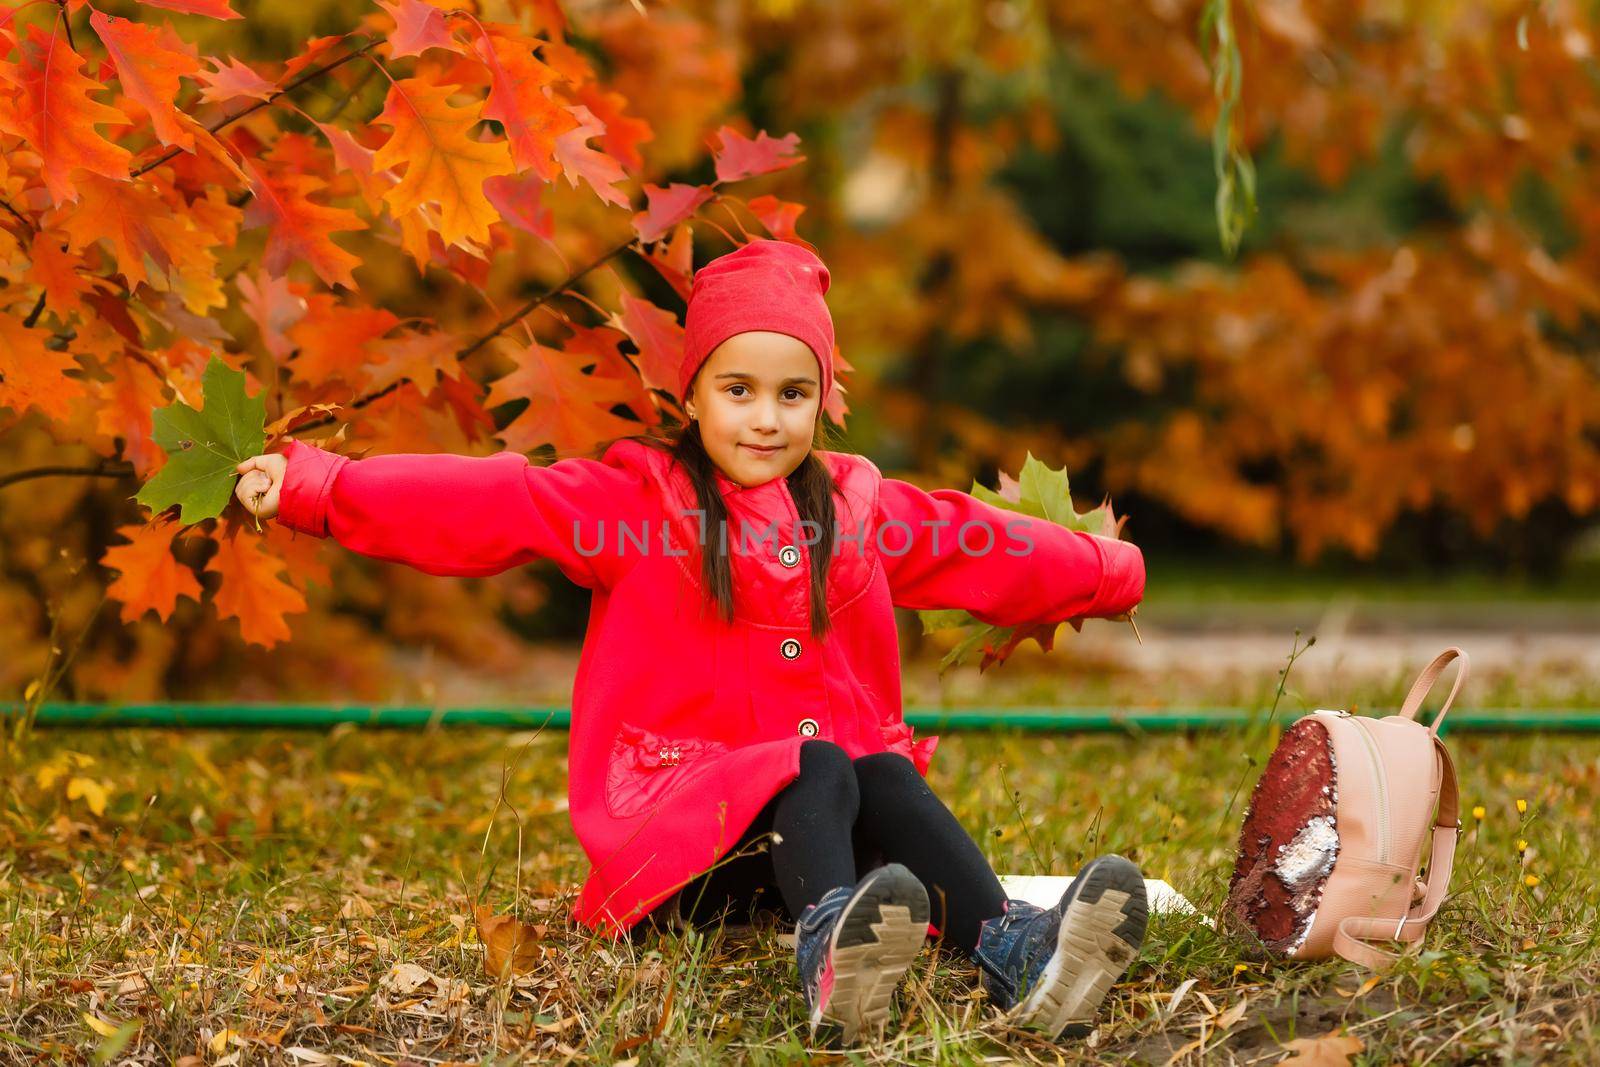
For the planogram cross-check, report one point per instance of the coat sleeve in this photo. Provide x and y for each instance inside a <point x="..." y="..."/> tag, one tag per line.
<point x="1005" y="568"/>
<point x="466" y="516"/>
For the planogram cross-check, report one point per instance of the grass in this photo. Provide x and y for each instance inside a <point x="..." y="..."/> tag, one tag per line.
<point x="304" y="898"/>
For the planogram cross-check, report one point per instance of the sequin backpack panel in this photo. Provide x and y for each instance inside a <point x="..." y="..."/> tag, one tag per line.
<point x="1332" y="843"/>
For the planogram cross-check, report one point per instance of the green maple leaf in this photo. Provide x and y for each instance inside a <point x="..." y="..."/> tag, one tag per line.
<point x="1041" y="493"/>
<point x="204" y="446"/>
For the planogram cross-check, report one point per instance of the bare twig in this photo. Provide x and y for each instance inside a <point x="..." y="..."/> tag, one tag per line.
<point x="309" y="75"/>
<point x="103" y="469"/>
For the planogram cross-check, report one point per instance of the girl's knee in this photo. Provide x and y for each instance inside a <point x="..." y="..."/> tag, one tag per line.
<point x="888" y="769"/>
<point x="824" y="761"/>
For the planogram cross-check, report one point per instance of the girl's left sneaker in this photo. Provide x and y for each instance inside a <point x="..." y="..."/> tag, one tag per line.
<point x="1050" y="969"/>
<point x="853" y="946"/>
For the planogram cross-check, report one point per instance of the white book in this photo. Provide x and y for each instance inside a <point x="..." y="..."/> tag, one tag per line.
<point x="1045" y="891"/>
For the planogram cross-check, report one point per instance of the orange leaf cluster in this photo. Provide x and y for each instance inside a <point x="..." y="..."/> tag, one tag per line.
<point x="356" y="248"/>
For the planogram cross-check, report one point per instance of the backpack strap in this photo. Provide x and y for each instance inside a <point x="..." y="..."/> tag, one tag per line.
<point x="1424" y="682"/>
<point x="1353" y="940"/>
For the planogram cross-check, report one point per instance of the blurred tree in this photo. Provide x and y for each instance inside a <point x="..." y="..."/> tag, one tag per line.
<point x="1016" y="198"/>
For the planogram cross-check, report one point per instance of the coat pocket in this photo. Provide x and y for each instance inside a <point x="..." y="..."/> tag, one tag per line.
<point x="646" y="768"/>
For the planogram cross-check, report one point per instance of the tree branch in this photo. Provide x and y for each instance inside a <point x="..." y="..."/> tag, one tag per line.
<point x="496" y="330"/>
<point x="114" y="469"/>
<point x="104" y="469"/>
<point x="33" y="316"/>
<point x="314" y="72"/>
<point x="19" y="216"/>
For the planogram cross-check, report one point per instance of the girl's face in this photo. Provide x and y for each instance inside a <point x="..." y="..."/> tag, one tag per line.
<point x="757" y="397"/>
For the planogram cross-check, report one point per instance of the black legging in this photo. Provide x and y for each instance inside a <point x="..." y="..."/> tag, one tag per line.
<point x="840" y="816"/>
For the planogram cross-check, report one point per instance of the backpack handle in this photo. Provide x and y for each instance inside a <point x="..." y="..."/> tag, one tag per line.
<point x="1430" y="674"/>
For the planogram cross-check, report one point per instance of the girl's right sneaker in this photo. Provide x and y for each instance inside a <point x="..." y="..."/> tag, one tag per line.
<point x="1050" y="969"/>
<point x="853" y="946"/>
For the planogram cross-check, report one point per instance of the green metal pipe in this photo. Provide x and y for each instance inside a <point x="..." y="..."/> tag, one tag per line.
<point x="559" y="716"/>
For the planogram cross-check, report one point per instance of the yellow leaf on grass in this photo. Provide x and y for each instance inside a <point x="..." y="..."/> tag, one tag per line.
<point x="92" y="793"/>
<point x="1330" y="1050"/>
<point x="99" y="1025"/>
<point x="512" y="945"/>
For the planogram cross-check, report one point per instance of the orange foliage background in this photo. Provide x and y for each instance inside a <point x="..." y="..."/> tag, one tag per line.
<point x="470" y="227"/>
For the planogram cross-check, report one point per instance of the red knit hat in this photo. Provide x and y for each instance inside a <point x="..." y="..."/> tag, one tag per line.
<point x="763" y="285"/>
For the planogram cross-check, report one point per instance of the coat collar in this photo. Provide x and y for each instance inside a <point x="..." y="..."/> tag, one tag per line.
<point x="727" y="486"/>
<point x="632" y="453"/>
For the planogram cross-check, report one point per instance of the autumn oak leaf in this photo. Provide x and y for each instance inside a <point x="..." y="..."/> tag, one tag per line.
<point x="203" y="447"/>
<point x="298" y="228"/>
<point x="658" y="336"/>
<point x="149" y="69"/>
<point x="418" y="26"/>
<point x="232" y="80"/>
<point x="624" y="133"/>
<point x="579" y="160"/>
<point x="570" y="409"/>
<point x="531" y="118"/>
<point x="54" y="112"/>
<point x="667" y="207"/>
<point x="149" y="577"/>
<point x="252" y="590"/>
<point x="444" y="166"/>
<point x="778" y="216"/>
<point x="31" y="375"/>
<point x="740" y="157"/>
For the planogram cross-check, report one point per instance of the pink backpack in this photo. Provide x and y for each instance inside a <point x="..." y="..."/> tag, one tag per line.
<point x="1329" y="852"/>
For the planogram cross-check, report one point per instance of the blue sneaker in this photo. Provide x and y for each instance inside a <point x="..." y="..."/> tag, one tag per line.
<point x="1050" y="969"/>
<point x="852" y="947"/>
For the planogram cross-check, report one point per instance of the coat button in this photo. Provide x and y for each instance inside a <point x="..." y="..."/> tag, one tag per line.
<point x="790" y="648"/>
<point x="809" y="728"/>
<point x="789" y="556"/>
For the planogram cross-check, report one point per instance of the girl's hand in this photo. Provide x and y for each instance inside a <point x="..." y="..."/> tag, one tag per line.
<point x="261" y="478"/>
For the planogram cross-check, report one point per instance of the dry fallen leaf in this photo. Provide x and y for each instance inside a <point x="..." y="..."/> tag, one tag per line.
<point x="1233" y="1014"/>
<point x="103" y="1027"/>
<point x="512" y="944"/>
<point x="408" y="978"/>
<point x="356" y="908"/>
<point x="1330" y="1050"/>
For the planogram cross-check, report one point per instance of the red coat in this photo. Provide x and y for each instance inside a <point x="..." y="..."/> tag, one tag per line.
<point x="683" y="726"/>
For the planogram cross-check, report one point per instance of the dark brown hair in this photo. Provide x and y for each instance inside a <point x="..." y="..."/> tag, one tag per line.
<point x="811" y="485"/>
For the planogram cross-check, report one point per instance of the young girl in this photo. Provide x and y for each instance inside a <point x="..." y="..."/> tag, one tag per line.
<point x="740" y="676"/>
